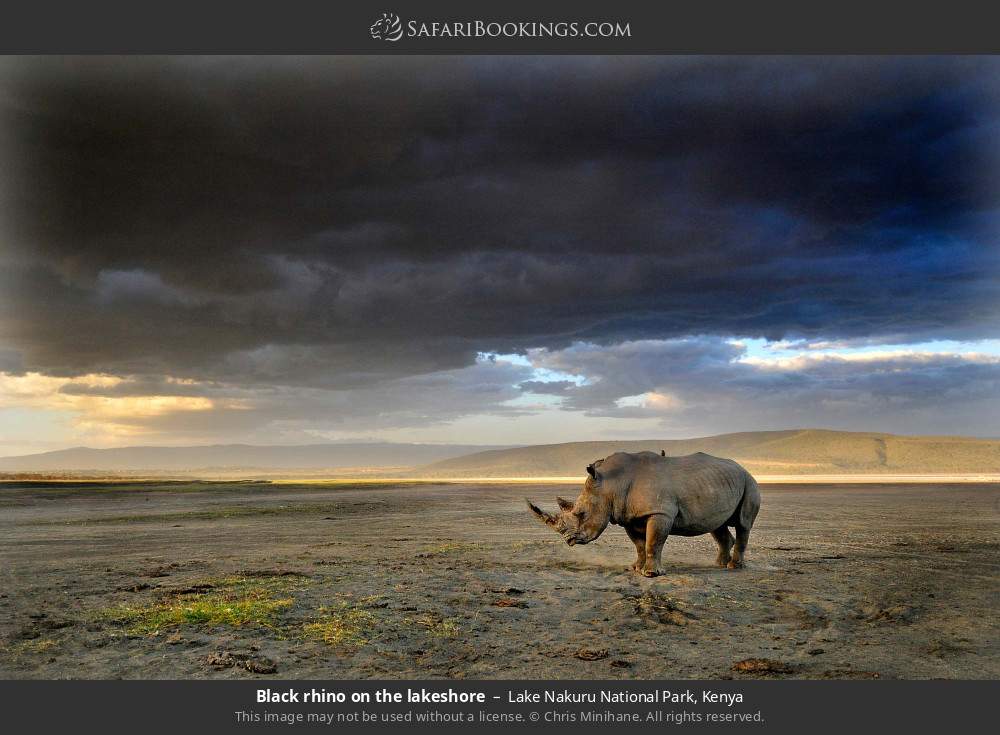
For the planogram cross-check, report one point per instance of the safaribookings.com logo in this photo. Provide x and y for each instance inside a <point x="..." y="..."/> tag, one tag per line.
<point x="390" y="28"/>
<point x="387" y="28"/>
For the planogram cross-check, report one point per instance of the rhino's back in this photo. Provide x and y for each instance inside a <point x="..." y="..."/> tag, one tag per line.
<point x="699" y="491"/>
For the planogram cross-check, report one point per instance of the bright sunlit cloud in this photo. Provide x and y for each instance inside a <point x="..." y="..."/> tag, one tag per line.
<point x="98" y="418"/>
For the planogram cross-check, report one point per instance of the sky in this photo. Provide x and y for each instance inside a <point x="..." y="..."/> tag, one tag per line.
<point x="495" y="250"/>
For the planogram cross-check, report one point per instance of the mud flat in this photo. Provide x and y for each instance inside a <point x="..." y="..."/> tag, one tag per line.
<point x="238" y="580"/>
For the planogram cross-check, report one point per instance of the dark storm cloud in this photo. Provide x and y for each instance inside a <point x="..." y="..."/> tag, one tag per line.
<point x="338" y="222"/>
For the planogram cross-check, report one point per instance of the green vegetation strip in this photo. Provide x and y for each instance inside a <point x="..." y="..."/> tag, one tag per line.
<point x="260" y="602"/>
<point x="349" y="623"/>
<point x="343" y="625"/>
<point x="237" y="511"/>
<point x="233" y="601"/>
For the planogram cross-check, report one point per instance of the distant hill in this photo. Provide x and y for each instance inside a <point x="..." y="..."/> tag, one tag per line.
<point x="236" y="456"/>
<point x="792" y="452"/>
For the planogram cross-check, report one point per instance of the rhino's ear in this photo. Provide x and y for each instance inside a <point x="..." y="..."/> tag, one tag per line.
<point x="566" y="505"/>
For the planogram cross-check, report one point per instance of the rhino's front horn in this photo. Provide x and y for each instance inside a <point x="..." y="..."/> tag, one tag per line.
<point x="544" y="517"/>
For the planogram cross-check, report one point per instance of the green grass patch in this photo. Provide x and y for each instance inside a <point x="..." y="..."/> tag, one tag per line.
<point x="249" y="600"/>
<point x="231" y="601"/>
<point x="33" y="646"/>
<point x="436" y="627"/>
<point x="343" y="625"/>
<point x="357" y="622"/>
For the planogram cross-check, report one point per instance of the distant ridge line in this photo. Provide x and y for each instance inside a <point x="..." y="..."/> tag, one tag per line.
<point x="237" y="456"/>
<point x="791" y="452"/>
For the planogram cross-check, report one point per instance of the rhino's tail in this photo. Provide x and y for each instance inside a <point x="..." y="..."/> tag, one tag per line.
<point x="749" y="506"/>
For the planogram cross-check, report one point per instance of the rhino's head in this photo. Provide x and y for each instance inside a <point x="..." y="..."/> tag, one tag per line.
<point x="582" y="521"/>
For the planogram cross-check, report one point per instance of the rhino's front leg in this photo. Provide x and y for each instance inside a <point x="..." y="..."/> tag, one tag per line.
<point x="657" y="530"/>
<point x="638" y="535"/>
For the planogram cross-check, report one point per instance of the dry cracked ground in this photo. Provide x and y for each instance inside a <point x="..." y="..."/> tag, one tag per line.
<point x="252" y="580"/>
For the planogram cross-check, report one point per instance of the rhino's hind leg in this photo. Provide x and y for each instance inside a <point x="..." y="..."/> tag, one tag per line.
<point x="725" y="541"/>
<point x="739" y="550"/>
<point x="657" y="530"/>
<point x="745" y="516"/>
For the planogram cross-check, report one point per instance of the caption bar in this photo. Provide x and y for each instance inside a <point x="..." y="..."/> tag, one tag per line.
<point x="519" y="705"/>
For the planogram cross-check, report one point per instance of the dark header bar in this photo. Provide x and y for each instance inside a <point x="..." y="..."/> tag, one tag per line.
<point x="514" y="26"/>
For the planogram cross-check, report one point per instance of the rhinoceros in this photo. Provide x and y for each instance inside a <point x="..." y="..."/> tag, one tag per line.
<point x="652" y="496"/>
